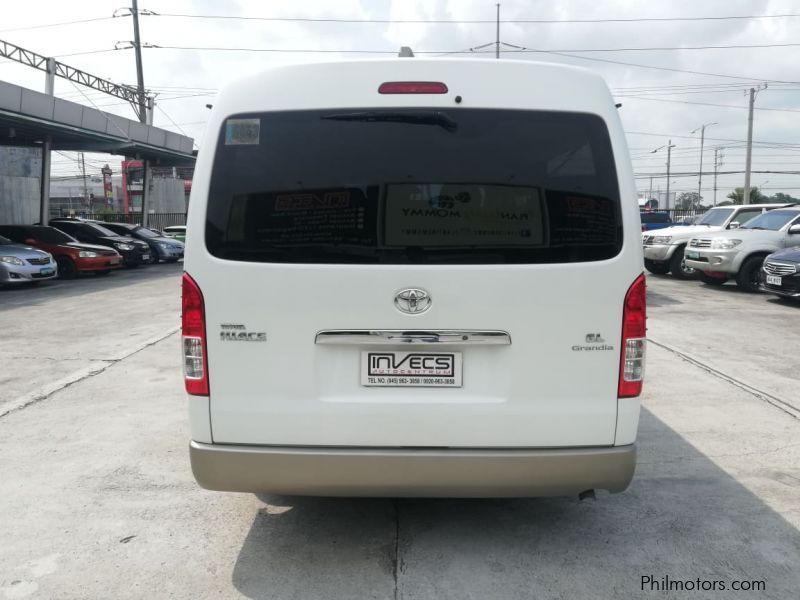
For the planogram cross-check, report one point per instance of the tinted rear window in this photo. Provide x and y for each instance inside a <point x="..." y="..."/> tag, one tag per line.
<point x="653" y="217"/>
<point x="414" y="186"/>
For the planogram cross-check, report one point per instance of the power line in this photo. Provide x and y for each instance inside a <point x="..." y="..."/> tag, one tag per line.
<point x="76" y="22"/>
<point x="519" y="49"/>
<point x="669" y="69"/>
<point x="710" y="104"/>
<point x="464" y="21"/>
<point x="692" y="137"/>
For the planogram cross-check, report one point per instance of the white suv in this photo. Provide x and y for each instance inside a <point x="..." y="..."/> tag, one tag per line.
<point x="663" y="248"/>
<point x="741" y="252"/>
<point x="414" y="278"/>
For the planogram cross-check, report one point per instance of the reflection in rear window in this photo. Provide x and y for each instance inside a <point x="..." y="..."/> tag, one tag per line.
<point x="416" y="186"/>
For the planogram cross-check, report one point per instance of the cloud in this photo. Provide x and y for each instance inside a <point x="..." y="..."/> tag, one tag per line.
<point x="179" y="75"/>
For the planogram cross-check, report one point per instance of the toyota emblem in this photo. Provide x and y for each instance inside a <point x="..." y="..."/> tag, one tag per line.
<point x="412" y="301"/>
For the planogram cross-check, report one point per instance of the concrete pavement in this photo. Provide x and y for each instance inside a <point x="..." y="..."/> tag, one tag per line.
<point x="97" y="499"/>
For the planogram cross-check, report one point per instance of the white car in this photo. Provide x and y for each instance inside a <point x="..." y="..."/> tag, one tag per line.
<point x="414" y="277"/>
<point x="664" y="248"/>
<point x="740" y="253"/>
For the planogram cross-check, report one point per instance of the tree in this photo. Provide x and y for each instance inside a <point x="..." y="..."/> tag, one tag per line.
<point x="781" y="198"/>
<point x="737" y="195"/>
<point x="688" y="200"/>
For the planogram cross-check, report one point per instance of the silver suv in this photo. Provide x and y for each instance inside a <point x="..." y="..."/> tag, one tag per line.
<point x="740" y="253"/>
<point x="663" y="248"/>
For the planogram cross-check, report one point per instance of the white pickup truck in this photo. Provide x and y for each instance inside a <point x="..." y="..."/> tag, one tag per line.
<point x="740" y="253"/>
<point x="664" y="248"/>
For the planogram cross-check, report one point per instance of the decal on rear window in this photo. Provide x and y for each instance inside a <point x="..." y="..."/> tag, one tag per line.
<point x="242" y="132"/>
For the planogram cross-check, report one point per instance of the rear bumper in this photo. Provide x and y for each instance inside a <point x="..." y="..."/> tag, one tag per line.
<point x="475" y="473"/>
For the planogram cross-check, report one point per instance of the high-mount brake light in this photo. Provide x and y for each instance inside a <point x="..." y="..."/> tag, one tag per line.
<point x="412" y="87"/>
<point x="634" y="331"/>
<point x="193" y="331"/>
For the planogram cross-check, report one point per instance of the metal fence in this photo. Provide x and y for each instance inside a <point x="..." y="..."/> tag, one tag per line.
<point x="679" y="214"/>
<point x="155" y="220"/>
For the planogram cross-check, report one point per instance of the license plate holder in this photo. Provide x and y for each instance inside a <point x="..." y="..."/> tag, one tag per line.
<point x="46" y="271"/>
<point x="774" y="280"/>
<point x="694" y="255"/>
<point x="387" y="368"/>
<point x="145" y="257"/>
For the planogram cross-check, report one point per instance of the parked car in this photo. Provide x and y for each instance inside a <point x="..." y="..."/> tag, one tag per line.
<point x="780" y="273"/>
<point x="134" y="252"/>
<point x="663" y="252"/>
<point x="655" y="219"/>
<point x="739" y="253"/>
<point x="176" y="231"/>
<point x="24" y="264"/>
<point x="323" y="281"/>
<point x="72" y="256"/>
<point x="161" y="248"/>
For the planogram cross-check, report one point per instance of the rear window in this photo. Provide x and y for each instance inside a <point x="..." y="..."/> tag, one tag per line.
<point x="414" y="186"/>
<point x="655" y="217"/>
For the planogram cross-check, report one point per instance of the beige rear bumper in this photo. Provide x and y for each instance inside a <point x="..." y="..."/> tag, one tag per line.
<point x="412" y="473"/>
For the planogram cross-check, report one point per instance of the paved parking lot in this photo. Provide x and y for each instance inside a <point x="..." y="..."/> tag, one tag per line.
<point x="97" y="499"/>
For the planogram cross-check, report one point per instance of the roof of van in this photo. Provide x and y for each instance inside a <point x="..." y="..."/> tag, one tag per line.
<point x="481" y="83"/>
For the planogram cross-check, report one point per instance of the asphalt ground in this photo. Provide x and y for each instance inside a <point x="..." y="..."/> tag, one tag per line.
<point x="97" y="499"/>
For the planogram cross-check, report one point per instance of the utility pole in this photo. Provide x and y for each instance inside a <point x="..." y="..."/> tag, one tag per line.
<point x="85" y="188"/>
<point x="650" y="195"/>
<point x="749" y="144"/>
<point x="137" y="46"/>
<point x="669" y="159"/>
<point x="749" y="148"/>
<point x="702" y="129"/>
<point x="718" y="157"/>
<point x="497" y="37"/>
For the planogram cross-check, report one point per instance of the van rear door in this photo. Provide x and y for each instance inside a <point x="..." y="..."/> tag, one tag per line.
<point x="498" y="223"/>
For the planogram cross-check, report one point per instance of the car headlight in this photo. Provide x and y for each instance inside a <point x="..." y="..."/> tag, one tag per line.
<point x="163" y="245"/>
<point x="123" y="246"/>
<point x="661" y="239"/>
<point x="88" y="254"/>
<point x="724" y="244"/>
<point x="12" y="260"/>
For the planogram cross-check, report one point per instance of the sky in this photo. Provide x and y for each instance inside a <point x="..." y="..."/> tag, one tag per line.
<point x="660" y="100"/>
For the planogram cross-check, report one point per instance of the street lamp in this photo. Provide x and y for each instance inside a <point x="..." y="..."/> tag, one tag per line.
<point x="669" y="146"/>
<point x="702" y="130"/>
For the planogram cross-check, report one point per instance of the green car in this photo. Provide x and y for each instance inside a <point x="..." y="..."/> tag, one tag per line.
<point x="175" y="231"/>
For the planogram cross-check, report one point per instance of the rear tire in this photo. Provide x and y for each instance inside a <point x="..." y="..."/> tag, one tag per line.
<point x="747" y="278"/>
<point x="712" y="280"/>
<point x="657" y="268"/>
<point x="677" y="265"/>
<point x="66" y="268"/>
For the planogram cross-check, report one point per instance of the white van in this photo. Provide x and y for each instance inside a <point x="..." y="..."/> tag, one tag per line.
<point x="414" y="277"/>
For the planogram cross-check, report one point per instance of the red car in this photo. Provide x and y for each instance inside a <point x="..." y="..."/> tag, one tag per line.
<point x="72" y="257"/>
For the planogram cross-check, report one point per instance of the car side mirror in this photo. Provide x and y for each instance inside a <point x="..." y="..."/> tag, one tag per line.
<point x="794" y="229"/>
<point x="734" y="225"/>
<point x="30" y="241"/>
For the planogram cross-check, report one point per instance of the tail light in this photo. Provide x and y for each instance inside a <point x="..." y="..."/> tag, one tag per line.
<point x="412" y="87"/>
<point x="193" y="330"/>
<point x="634" y="318"/>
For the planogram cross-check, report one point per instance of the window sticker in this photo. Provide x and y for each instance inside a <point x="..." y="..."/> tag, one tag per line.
<point x="241" y="132"/>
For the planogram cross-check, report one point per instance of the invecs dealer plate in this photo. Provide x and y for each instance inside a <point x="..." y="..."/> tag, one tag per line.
<point x="411" y="369"/>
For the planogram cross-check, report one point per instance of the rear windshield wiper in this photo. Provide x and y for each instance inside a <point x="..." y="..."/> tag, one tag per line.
<point x="416" y="117"/>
